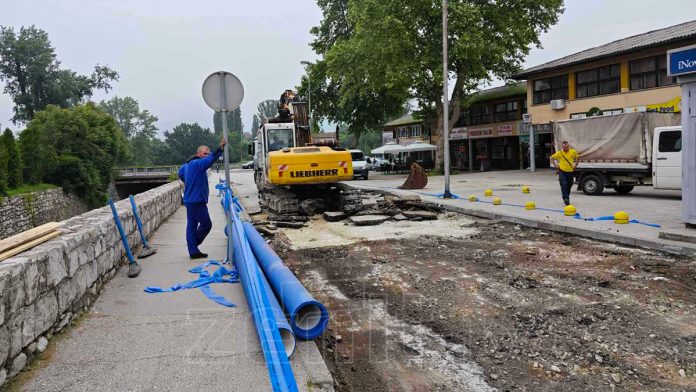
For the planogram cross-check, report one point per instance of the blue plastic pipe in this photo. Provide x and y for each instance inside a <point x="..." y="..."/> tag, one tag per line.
<point x="274" y="352"/>
<point x="138" y="222"/>
<point x="286" y="333"/>
<point x="124" y="239"/>
<point x="308" y="317"/>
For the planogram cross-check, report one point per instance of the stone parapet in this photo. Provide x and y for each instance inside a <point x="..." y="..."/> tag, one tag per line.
<point x="47" y="287"/>
<point x="23" y="212"/>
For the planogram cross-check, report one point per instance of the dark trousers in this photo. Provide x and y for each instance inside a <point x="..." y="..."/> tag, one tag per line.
<point x="198" y="225"/>
<point x="566" y="181"/>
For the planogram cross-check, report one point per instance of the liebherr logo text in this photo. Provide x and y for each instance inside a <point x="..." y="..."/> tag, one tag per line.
<point x="314" y="173"/>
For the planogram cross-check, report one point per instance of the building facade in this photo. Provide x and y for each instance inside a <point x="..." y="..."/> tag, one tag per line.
<point x="405" y="130"/>
<point x="622" y="76"/>
<point x="487" y="134"/>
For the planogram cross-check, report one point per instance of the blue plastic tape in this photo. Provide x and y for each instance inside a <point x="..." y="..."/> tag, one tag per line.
<point x="203" y="282"/>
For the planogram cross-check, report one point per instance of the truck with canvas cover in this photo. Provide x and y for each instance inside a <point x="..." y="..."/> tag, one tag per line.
<point x="288" y="166"/>
<point x="625" y="150"/>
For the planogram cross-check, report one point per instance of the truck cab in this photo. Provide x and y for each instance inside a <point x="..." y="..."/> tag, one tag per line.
<point x="667" y="158"/>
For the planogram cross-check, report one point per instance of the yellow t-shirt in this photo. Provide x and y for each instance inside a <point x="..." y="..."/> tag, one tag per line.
<point x="566" y="160"/>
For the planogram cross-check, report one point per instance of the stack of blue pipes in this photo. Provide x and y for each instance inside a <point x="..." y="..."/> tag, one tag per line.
<point x="281" y="306"/>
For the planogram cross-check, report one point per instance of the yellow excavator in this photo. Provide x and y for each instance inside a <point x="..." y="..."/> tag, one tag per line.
<point x="288" y="166"/>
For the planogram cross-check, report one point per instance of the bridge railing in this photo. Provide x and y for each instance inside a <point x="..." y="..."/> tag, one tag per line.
<point x="145" y="171"/>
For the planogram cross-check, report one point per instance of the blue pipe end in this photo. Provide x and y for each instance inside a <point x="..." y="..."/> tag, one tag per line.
<point x="309" y="320"/>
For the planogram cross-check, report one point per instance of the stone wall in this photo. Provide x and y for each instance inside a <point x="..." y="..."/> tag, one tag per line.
<point x="20" y="213"/>
<point x="44" y="289"/>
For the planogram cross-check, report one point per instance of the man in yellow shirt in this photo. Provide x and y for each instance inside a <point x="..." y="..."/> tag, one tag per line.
<point x="565" y="161"/>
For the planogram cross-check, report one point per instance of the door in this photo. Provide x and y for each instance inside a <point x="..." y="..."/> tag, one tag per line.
<point x="668" y="159"/>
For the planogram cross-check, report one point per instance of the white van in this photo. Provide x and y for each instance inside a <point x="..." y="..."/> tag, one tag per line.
<point x="361" y="167"/>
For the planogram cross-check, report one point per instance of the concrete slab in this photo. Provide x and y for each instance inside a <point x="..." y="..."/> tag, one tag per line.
<point x="135" y="341"/>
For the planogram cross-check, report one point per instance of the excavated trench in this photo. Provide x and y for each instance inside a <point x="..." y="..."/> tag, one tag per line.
<point x="457" y="304"/>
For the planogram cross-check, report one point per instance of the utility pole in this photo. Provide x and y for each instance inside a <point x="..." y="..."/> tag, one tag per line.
<point x="445" y="105"/>
<point x="309" y="93"/>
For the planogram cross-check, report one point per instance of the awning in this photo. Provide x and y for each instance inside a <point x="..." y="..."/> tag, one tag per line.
<point x="389" y="148"/>
<point x="420" y="146"/>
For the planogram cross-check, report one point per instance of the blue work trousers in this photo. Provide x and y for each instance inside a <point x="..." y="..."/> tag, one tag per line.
<point x="198" y="225"/>
<point x="566" y="181"/>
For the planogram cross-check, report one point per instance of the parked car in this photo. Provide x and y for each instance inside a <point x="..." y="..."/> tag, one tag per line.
<point x="360" y="166"/>
<point x="248" y="165"/>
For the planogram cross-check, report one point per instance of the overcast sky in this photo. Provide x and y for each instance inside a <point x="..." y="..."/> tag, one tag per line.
<point x="163" y="50"/>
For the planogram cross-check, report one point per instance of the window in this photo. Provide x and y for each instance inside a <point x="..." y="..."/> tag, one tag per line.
<point x="279" y="138"/>
<point x="598" y="81"/>
<point x="670" y="141"/>
<point x="415" y="130"/>
<point x="649" y="72"/>
<point x="548" y="89"/>
<point x="463" y="119"/>
<point x="505" y="111"/>
<point x="403" y="131"/>
<point x="480" y="114"/>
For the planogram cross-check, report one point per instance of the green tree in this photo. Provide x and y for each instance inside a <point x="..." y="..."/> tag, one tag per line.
<point x="3" y="170"/>
<point x="33" y="78"/>
<point x="267" y="109"/>
<point x="161" y="153"/>
<point x="234" y="121"/>
<point x="75" y="148"/>
<point x="362" y="106"/>
<point x="255" y="124"/>
<point x="486" y="40"/>
<point x="138" y="127"/>
<point x="14" y="162"/>
<point x="185" y="138"/>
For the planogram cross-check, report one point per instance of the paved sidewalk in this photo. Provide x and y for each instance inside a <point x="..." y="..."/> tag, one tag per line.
<point x="644" y="204"/>
<point x="134" y="341"/>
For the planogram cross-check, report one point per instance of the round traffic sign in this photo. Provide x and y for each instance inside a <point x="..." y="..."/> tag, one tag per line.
<point x="222" y="91"/>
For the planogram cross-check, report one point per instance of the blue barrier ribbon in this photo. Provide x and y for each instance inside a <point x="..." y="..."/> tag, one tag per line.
<point x="205" y="278"/>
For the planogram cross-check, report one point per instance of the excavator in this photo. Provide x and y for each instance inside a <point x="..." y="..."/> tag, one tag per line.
<point x="289" y="169"/>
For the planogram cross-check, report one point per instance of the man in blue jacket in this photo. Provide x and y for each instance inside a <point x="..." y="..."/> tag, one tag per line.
<point x="195" y="179"/>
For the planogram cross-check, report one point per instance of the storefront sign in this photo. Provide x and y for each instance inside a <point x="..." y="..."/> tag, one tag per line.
<point x="505" y="130"/>
<point x="608" y="112"/>
<point x="671" y="106"/>
<point x="387" y="137"/>
<point x="681" y="61"/>
<point x="458" y="133"/>
<point x="473" y="133"/>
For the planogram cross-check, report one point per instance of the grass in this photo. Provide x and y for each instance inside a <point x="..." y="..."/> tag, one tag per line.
<point x="29" y="189"/>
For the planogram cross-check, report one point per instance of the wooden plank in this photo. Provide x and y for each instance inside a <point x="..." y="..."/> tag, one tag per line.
<point x="26" y="236"/>
<point x="28" y="245"/>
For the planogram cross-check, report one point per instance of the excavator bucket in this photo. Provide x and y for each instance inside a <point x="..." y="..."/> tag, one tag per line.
<point x="416" y="178"/>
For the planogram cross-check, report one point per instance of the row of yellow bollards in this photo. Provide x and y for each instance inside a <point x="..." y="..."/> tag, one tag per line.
<point x="620" y="217"/>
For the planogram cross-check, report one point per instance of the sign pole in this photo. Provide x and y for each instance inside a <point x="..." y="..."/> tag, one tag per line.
<point x="223" y="113"/>
<point x="445" y="107"/>
<point x="532" y="149"/>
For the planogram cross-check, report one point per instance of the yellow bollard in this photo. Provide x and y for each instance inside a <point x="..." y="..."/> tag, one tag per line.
<point x="570" y="210"/>
<point x="488" y="192"/>
<point x="621" y="218"/>
<point x="530" y="205"/>
<point x="497" y="201"/>
<point x="525" y="189"/>
<point x="473" y="198"/>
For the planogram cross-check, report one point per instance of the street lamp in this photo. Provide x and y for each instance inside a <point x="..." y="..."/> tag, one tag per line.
<point x="309" y="93"/>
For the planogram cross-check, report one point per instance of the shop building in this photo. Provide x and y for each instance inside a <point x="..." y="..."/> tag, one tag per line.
<point x="487" y="134"/>
<point x="622" y="76"/>
<point x="405" y="130"/>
